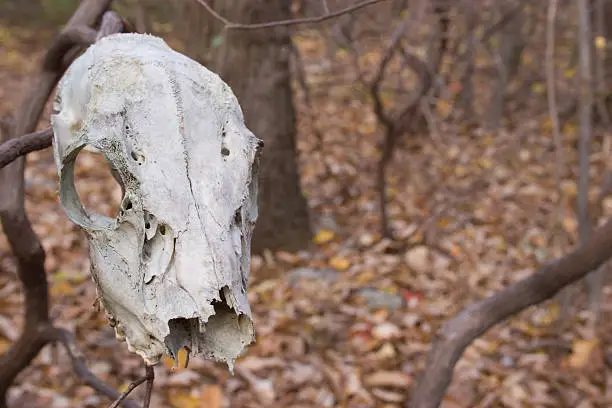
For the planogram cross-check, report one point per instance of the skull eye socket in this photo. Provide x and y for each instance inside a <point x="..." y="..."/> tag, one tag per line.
<point x="90" y="190"/>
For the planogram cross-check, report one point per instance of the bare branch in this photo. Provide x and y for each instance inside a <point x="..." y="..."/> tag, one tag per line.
<point x="111" y="24"/>
<point x="396" y="124"/>
<point x="375" y="85"/>
<point x="391" y="133"/>
<point x="230" y="25"/>
<point x="23" y="240"/>
<point x="66" y="339"/>
<point x="14" y="148"/>
<point x="67" y="39"/>
<point x="487" y="34"/>
<point x="427" y="79"/>
<point x="325" y="6"/>
<point x="459" y="332"/>
<point x="552" y="102"/>
<point x="595" y="280"/>
<point x="553" y="112"/>
<point x="149" y="377"/>
<point x="600" y="61"/>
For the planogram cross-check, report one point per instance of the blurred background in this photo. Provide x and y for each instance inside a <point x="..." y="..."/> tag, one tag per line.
<point x="420" y="155"/>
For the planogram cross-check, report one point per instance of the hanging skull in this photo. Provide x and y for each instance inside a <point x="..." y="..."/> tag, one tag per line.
<point x="172" y="269"/>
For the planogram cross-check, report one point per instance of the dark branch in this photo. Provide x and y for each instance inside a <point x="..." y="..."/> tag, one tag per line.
<point x="14" y="148"/>
<point x="66" y="339"/>
<point x="64" y="42"/>
<point x="111" y="24"/>
<point x="376" y="83"/>
<point x="459" y="332"/>
<point x="151" y="377"/>
<point x="148" y="377"/>
<point x="22" y="239"/>
<point x="230" y="25"/>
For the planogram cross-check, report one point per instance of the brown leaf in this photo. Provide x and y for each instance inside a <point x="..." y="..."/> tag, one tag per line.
<point x="212" y="396"/>
<point x="388" y="396"/>
<point x="396" y="379"/>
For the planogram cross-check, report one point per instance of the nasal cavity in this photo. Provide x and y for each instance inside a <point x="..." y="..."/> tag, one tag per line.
<point x="182" y="334"/>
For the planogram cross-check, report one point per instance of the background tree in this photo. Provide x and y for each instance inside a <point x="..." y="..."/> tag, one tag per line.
<point x="256" y="64"/>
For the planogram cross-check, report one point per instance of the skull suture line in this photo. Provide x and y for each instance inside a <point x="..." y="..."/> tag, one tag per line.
<point x="172" y="269"/>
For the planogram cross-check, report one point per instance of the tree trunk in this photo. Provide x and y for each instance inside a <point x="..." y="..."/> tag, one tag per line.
<point x="508" y="60"/>
<point x="255" y="63"/>
<point x="594" y="280"/>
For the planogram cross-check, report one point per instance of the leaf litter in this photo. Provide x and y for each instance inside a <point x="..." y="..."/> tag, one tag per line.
<point x="354" y="329"/>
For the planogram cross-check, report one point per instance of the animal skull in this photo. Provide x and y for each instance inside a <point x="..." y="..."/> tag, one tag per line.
<point x="172" y="269"/>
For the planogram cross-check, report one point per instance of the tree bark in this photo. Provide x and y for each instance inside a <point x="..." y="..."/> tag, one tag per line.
<point x="255" y="63"/>
<point x="594" y="280"/>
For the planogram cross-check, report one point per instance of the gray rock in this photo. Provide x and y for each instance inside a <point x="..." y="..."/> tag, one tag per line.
<point x="326" y="275"/>
<point x="377" y="299"/>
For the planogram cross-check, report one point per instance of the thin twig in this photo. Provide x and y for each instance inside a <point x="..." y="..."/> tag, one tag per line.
<point x="325" y="6"/>
<point x="600" y="61"/>
<point x="594" y="280"/>
<point x="149" y="390"/>
<point x="66" y="339"/>
<point x="559" y="236"/>
<point x="149" y="377"/>
<point x="555" y="343"/>
<point x="230" y="25"/>
<point x="552" y="103"/>
<point x="14" y="148"/>
<point x="374" y="87"/>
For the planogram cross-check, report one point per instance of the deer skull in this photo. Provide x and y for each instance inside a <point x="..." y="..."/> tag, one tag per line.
<point x="172" y="269"/>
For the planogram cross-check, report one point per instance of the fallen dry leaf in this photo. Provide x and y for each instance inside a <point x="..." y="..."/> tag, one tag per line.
<point x="323" y="236"/>
<point x="395" y="379"/>
<point x="212" y="396"/>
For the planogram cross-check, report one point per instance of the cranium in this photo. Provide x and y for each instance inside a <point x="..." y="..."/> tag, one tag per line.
<point x="172" y="268"/>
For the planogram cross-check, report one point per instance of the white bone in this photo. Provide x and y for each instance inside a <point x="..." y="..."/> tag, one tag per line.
<point x="172" y="269"/>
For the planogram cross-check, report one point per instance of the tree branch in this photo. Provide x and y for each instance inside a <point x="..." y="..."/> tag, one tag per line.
<point x="585" y="135"/>
<point x="553" y="111"/>
<point x="375" y="85"/>
<point x="67" y="39"/>
<point x="230" y="25"/>
<point x="111" y="24"/>
<point x="66" y="339"/>
<point x="148" y="377"/>
<point x="459" y="332"/>
<point x="14" y="148"/>
<point x="22" y="239"/>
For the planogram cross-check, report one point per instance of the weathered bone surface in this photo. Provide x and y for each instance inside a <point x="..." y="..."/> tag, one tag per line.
<point x="172" y="269"/>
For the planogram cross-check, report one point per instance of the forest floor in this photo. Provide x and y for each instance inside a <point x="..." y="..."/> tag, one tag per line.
<point x="348" y="322"/>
